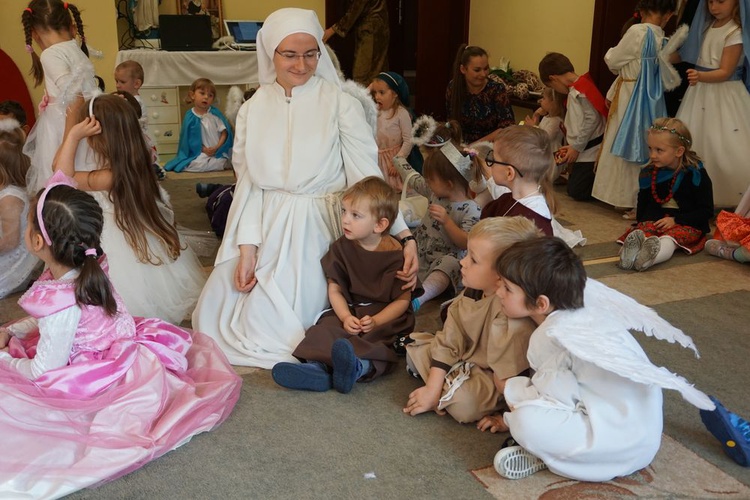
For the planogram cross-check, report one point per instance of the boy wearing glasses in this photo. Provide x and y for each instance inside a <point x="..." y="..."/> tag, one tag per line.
<point x="519" y="161"/>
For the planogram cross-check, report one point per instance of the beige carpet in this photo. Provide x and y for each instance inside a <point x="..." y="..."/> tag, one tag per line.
<point x="676" y="472"/>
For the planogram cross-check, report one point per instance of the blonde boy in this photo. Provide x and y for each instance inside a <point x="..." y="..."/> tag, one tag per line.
<point x="129" y="77"/>
<point x="353" y="341"/>
<point x="465" y="364"/>
<point x="521" y="162"/>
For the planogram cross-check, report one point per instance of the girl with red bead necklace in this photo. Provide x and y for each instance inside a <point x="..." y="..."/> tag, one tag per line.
<point x="675" y="200"/>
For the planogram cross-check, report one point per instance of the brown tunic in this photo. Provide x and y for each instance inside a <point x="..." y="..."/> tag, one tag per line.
<point x="368" y="282"/>
<point x="475" y="331"/>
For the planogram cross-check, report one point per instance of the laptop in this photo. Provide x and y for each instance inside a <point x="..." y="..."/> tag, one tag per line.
<point x="245" y="33"/>
<point x="185" y="33"/>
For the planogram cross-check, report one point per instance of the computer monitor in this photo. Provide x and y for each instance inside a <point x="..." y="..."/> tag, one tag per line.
<point x="245" y="33"/>
<point x="185" y="32"/>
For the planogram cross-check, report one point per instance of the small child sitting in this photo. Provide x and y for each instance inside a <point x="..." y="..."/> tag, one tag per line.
<point x="441" y="236"/>
<point x="129" y="78"/>
<point x="550" y="117"/>
<point x="520" y="160"/>
<point x="465" y="364"/>
<point x="353" y="341"/>
<point x="675" y="200"/>
<point x="731" y="240"/>
<point x="585" y="120"/>
<point x="14" y="110"/>
<point x="206" y="137"/>
<point x="16" y="262"/>
<point x="592" y="410"/>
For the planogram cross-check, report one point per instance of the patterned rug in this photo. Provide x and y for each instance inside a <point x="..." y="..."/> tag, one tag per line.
<point x="676" y="472"/>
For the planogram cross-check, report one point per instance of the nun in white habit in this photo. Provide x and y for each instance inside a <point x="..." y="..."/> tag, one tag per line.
<point x="300" y="141"/>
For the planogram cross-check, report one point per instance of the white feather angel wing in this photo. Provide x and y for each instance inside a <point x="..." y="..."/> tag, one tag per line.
<point x="669" y="75"/>
<point x="360" y="93"/>
<point x="235" y="98"/>
<point x="629" y="314"/>
<point x="595" y="338"/>
<point x="77" y="86"/>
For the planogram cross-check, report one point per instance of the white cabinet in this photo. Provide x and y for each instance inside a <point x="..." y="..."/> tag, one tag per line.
<point x="163" y="109"/>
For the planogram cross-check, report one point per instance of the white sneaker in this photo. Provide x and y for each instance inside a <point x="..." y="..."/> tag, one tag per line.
<point x="514" y="462"/>
<point x="647" y="254"/>
<point x="630" y="248"/>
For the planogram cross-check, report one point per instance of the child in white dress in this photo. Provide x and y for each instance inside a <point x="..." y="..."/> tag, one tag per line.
<point x="154" y="272"/>
<point x="206" y="137"/>
<point x="16" y="263"/>
<point x="637" y="99"/>
<point x="67" y="73"/>
<point x="391" y="94"/>
<point x="716" y="106"/>
<point x="592" y="410"/>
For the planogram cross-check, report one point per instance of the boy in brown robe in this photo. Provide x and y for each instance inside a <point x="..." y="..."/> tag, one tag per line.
<point x="353" y="340"/>
<point x="465" y="364"/>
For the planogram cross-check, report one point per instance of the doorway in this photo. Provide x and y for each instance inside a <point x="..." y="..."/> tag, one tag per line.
<point x="424" y="37"/>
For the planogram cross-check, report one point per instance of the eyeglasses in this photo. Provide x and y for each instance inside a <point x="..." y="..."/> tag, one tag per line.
<point x="309" y="56"/>
<point x="489" y="160"/>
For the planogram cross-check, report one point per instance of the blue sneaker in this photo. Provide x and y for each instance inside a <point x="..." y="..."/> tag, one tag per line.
<point x="732" y="431"/>
<point x="347" y="367"/>
<point x="302" y="377"/>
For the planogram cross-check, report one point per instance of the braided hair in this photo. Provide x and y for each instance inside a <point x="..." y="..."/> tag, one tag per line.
<point x="74" y="221"/>
<point x="52" y="15"/>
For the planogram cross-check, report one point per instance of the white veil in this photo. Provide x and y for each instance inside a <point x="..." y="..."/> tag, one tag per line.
<point x="279" y="25"/>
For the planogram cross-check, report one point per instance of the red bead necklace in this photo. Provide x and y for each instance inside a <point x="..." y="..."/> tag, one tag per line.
<point x="669" y="196"/>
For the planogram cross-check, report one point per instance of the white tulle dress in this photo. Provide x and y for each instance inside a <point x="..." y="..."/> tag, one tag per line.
<point x="168" y="291"/>
<point x="67" y="74"/>
<point x="16" y="264"/>
<point x="718" y="117"/>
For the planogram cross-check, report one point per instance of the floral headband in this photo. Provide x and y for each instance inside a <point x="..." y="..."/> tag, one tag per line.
<point x="672" y="131"/>
<point x="58" y="179"/>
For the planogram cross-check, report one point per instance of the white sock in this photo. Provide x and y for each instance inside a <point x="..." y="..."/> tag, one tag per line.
<point x="667" y="246"/>
<point x="435" y="284"/>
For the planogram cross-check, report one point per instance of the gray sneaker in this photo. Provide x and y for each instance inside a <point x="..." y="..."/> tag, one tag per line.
<point x="646" y="256"/>
<point x="630" y="248"/>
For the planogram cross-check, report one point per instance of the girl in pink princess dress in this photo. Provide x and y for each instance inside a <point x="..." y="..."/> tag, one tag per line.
<point x="89" y="392"/>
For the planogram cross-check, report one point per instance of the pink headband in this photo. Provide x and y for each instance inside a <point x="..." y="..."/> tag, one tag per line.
<point x="58" y="179"/>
